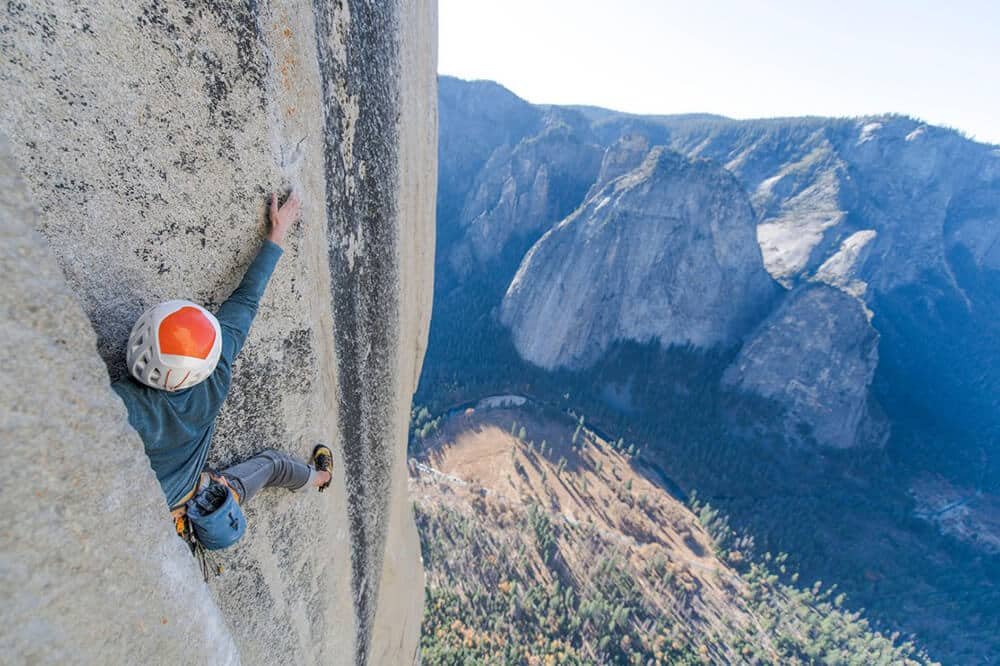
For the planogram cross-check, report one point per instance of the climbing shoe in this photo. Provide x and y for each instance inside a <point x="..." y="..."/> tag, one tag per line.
<point x="322" y="459"/>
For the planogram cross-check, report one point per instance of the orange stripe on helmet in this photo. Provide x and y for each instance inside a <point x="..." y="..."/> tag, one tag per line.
<point x="187" y="332"/>
<point x="181" y="382"/>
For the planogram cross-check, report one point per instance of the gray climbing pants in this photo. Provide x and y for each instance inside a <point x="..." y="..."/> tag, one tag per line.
<point x="266" y="469"/>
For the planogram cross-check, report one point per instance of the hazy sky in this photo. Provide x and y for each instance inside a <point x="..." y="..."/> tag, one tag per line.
<point x="939" y="61"/>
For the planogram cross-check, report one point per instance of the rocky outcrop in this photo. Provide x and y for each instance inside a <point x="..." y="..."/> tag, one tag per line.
<point x="523" y="190"/>
<point x="797" y="208"/>
<point x="624" y="155"/>
<point x="816" y="357"/>
<point x="911" y="177"/>
<point x="480" y="116"/>
<point x="665" y="252"/>
<point x="817" y="181"/>
<point x="841" y="269"/>
<point x="147" y="137"/>
<point x="904" y="215"/>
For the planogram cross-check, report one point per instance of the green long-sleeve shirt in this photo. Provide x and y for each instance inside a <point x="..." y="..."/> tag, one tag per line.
<point x="176" y="427"/>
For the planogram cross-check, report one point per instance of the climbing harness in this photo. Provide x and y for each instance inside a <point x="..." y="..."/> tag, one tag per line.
<point x="213" y="502"/>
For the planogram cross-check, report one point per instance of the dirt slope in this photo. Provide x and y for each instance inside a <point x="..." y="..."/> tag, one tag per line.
<point x="517" y="508"/>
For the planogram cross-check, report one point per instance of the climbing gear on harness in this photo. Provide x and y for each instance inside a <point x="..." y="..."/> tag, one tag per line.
<point x="183" y="526"/>
<point x="322" y="459"/>
<point x="216" y="518"/>
<point x="174" y="345"/>
<point x="184" y="531"/>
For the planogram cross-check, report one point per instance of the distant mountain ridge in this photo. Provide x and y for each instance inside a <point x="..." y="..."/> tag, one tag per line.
<point x="902" y="217"/>
<point x="850" y="418"/>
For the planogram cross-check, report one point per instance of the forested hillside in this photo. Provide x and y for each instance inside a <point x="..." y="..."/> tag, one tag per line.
<point x="545" y="544"/>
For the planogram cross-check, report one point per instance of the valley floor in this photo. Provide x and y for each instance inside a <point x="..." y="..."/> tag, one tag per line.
<point x="544" y="543"/>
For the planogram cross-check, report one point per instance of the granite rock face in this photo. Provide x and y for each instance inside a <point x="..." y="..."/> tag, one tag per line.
<point x="904" y="215"/>
<point x="148" y="136"/>
<point x="522" y="190"/>
<point x="665" y="252"/>
<point x="480" y="117"/>
<point x="624" y="155"/>
<point x="816" y="181"/>
<point x="815" y="355"/>
<point x="90" y="543"/>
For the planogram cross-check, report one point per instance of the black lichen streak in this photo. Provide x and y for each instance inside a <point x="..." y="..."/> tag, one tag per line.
<point x="365" y="291"/>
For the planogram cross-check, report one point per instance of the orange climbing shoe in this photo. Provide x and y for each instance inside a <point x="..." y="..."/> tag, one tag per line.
<point x="322" y="459"/>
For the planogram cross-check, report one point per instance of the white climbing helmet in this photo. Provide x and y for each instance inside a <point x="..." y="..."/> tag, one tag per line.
<point x="174" y="345"/>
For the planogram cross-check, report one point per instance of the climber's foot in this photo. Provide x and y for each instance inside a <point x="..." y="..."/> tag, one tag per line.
<point x="322" y="460"/>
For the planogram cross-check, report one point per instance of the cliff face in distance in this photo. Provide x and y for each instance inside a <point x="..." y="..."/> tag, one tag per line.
<point x="898" y="215"/>
<point x="663" y="253"/>
<point x="822" y="379"/>
<point x="141" y="142"/>
<point x="521" y="188"/>
<point x="906" y="217"/>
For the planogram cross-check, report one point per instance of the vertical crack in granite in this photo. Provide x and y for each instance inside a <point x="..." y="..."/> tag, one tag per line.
<point x="360" y="151"/>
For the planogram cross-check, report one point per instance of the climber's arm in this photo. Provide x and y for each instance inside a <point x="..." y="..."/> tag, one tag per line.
<point x="237" y="313"/>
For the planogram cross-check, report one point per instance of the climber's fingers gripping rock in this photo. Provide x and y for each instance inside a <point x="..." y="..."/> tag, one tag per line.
<point x="284" y="217"/>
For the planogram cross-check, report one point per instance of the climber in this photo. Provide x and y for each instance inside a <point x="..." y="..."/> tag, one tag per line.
<point x="180" y="361"/>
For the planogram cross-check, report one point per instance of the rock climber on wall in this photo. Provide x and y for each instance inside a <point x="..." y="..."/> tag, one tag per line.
<point x="180" y="359"/>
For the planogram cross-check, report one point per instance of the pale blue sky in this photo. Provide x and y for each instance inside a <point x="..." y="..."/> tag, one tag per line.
<point x="939" y="61"/>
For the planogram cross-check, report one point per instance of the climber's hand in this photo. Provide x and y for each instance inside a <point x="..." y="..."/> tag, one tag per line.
<point x="283" y="218"/>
